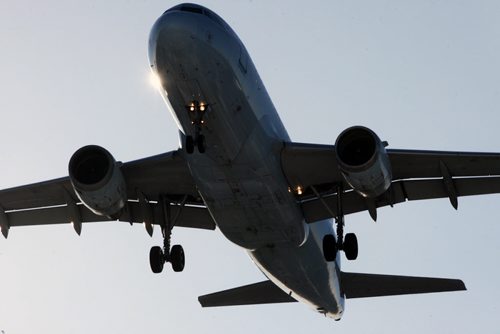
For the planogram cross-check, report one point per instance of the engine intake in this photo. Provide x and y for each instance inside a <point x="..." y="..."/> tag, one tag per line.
<point x="363" y="161"/>
<point x="98" y="181"/>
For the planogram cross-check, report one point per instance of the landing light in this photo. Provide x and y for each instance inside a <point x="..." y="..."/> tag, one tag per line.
<point x="299" y="190"/>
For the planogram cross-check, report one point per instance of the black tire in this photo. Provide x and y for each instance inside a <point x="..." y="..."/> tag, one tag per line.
<point x="156" y="259"/>
<point x="200" y="142"/>
<point x="189" y="144"/>
<point x="177" y="258"/>
<point x="351" y="246"/>
<point x="329" y="247"/>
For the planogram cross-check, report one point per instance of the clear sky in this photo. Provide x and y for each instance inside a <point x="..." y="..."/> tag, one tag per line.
<point x="422" y="74"/>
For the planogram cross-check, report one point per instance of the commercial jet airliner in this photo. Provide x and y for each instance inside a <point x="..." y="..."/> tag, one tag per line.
<point x="238" y="170"/>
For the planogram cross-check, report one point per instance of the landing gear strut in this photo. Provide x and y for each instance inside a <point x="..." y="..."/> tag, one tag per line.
<point x="175" y="255"/>
<point x="198" y="141"/>
<point x="349" y="244"/>
<point x="196" y="111"/>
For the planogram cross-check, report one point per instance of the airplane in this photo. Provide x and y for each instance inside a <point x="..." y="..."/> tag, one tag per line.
<point x="238" y="170"/>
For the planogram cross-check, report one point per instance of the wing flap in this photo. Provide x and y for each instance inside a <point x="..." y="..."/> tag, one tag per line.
<point x="265" y="292"/>
<point x="426" y="164"/>
<point x="50" y="215"/>
<point x="42" y="194"/>
<point x="189" y="216"/>
<point x="357" y="285"/>
<point x="400" y="191"/>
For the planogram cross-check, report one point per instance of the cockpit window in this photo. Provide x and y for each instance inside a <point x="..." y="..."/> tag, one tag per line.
<point x="198" y="10"/>
<point x="191" y="9"/>
<point x="187" y="8"/>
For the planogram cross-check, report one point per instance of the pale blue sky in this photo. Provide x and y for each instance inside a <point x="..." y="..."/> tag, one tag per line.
<point x="422" y="74"/>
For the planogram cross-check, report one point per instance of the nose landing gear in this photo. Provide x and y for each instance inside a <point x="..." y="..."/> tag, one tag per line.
<point x="198" y="141"/>
<point x="196" y="111"/>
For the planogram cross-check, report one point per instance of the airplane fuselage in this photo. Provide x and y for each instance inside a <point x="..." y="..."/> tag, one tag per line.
<point x="200" y="60"/>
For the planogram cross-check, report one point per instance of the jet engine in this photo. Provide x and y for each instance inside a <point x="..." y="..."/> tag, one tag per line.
<point x="363" y="161"/>
<point x="98" y="181"/>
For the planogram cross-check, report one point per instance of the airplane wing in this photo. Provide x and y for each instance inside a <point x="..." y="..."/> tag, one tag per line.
<point x="150" y="179"/>
<point x="417" y="175"/>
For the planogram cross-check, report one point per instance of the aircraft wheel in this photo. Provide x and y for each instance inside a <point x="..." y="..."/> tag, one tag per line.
<point x="177" y="258"/>
<point x="351" y="246"/>
<point x="189" y="144"/>
<point x="329" y="247"/>
<point x="156" y="259"/>
<point x="200" y="142"/>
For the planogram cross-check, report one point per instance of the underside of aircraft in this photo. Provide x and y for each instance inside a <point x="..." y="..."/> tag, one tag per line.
<point x="283" y="202"/>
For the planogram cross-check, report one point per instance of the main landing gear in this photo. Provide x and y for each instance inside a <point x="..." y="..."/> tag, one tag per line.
<point x="196" y="111"/>
<point x="349" y="244"/>
<point x="174" y="255"/>
<point x="158" y="256"/>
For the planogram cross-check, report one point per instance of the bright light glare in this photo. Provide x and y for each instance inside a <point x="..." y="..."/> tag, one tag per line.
<point x="155" y="80"/>
<point x="299" y="190"/>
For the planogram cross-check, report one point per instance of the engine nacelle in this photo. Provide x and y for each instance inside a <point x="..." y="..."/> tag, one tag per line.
<point x="363" y="161"/>
<point x="98" y="181"/>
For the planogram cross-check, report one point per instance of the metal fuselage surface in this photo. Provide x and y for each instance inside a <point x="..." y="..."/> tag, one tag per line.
<point x="198" y="57"/>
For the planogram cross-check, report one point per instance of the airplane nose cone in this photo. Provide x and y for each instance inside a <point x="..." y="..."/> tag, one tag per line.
<point x="179" y="26"/>
<point x="175" y="26"/>
<point x="165" y="25"/>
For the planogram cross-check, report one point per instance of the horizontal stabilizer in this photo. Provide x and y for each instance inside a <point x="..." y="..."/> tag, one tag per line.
<point x="265" y="292"/>
<point x="370" y="285"/>
<point x="354" y="285"/>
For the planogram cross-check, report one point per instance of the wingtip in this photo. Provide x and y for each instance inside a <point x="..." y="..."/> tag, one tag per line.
<point x="461" y="285"/>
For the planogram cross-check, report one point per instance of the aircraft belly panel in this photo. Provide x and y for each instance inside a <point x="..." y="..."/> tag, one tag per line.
<point x="249" y="201"/>
<point x="303" y="272"/>
<point x="239" y="176"/>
